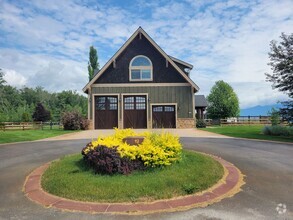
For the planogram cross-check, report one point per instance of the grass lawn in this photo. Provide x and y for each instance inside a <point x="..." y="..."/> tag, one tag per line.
<point x="246" y="131"/>
<point x="29" y="135"/>
<point x="71" y="178"/>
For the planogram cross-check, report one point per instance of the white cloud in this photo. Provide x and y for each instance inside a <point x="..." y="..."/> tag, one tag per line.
<point x="14" y="78"/>
<point x="41" y="70"/>
<point x="46" y="42"/>
<point x="257" y="93"/>
<point x="63" y="75"/>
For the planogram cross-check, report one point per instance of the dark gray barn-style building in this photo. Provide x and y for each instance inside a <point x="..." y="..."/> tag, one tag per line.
<point x="142" y="87"/>
<point x="200" y="106"/>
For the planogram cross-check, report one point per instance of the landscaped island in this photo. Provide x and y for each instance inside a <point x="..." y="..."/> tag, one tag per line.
<point x="156" y="168"/>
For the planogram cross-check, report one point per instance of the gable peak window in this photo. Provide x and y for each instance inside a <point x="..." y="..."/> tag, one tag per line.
<point x="140" y="69"/>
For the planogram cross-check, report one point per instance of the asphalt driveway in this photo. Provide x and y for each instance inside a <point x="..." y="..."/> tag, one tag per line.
<point x="268" y="168"/>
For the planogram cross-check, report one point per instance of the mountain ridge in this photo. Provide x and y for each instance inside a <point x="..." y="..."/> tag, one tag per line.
<point x="259" y="110"/>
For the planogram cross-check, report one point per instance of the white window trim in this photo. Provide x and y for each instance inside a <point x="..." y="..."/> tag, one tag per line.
<point x="140" y="68"/>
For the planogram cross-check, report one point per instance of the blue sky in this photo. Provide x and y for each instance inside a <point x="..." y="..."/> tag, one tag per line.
<point x="46" y="43"/>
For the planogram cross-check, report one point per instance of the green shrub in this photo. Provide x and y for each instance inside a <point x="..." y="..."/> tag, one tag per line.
<point x="278" y="131"/>
<point x="74" y="121"/>
<point x="25" y="117"/>
<point x="200" y="123"/>
<point x="275" y="117"/>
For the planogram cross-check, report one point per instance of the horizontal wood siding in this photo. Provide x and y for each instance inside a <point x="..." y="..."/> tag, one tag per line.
<point x="167" y="94"/>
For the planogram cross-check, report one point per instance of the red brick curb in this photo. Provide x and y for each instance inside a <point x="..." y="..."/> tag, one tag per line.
<point x="228" y="186"/>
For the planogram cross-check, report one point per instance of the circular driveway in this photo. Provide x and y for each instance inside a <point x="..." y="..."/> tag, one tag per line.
<point x="268" y="168"/>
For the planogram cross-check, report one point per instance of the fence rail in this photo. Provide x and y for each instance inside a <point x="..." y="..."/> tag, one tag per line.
<point x="243" y="120"/>
<point x="10" y="126"/>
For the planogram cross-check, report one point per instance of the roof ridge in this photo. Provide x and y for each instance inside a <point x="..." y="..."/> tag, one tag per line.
<point x="122" y="48"/>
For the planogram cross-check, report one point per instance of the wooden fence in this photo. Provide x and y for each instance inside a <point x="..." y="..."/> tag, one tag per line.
<point x="242" y="120"/>
<point x="11" y="126"/>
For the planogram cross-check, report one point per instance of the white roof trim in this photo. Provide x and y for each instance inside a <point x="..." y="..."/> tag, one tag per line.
<point x="139" y="30"/>
<point x="181" y="61"/>
<point x="139" y="84"/>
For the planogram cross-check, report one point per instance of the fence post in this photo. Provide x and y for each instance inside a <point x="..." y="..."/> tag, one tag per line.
<point x="248" y="119"/>
<point x="260" y="119"/>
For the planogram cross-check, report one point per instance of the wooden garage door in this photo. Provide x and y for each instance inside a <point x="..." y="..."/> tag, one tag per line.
<point x="135" y="111"/>
<point x="163" y="116"/>
<point x="106" y="112"/>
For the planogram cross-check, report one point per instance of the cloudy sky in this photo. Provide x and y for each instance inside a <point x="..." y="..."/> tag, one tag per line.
<point x="46" y="43"/>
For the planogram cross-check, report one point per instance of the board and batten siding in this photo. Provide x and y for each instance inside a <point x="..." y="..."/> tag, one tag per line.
<point x="161" y="72"/>
<point x="182" y="95"/>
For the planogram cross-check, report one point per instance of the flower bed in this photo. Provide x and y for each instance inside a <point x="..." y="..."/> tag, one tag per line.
<point x="111" y="154"/>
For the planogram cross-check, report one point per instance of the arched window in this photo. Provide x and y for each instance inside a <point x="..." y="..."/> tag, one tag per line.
<point x="140" y="69"/>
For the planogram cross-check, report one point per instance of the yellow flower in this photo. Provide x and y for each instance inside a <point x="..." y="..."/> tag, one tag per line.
<point x="155" y="150"/>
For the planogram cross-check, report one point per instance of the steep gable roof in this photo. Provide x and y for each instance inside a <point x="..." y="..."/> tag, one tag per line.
<point x="188" y="65"/>
<point x="168" y="58"/>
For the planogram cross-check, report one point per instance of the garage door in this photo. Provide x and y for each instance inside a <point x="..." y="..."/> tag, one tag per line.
<point x="135" y="111"/>
<point x="106" y="112"/>
<point x="163" y="116"/>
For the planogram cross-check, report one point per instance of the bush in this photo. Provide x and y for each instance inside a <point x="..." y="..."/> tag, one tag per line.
<point x="275" y="117"/>
<point x="84" y="124"/>
<point x="159" y="149"/>
<point x="25" y="117"/>
<point x="105" y="160"/>
<point x="74" y="121"/>
<point x="278" y="131"/>
<point x="41" y="114"/>
<point x="155" y="150"/>
<point x="200" y="123"/>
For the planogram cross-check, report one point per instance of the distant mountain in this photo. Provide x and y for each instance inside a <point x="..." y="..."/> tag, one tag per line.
<point x="259" y="110"/>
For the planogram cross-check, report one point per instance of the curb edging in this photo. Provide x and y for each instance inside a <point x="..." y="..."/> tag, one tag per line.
<point x="228" y="186"/>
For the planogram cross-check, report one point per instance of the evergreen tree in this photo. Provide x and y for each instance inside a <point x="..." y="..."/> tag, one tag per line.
<point x="93" y="64"/>
<point x="2" y="80"/>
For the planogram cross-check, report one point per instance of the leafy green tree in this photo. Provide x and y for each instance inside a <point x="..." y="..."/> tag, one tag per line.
<point x="222" y="101"/>
<point x="10" y="99"/>
<point x="15" y="102"/>
<point x="3" y="101"/>
<point x="29" y="95"/>
<point x="281" y="62"/>
<point x="93" y="63"/>
<point x="41" y="114"/>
